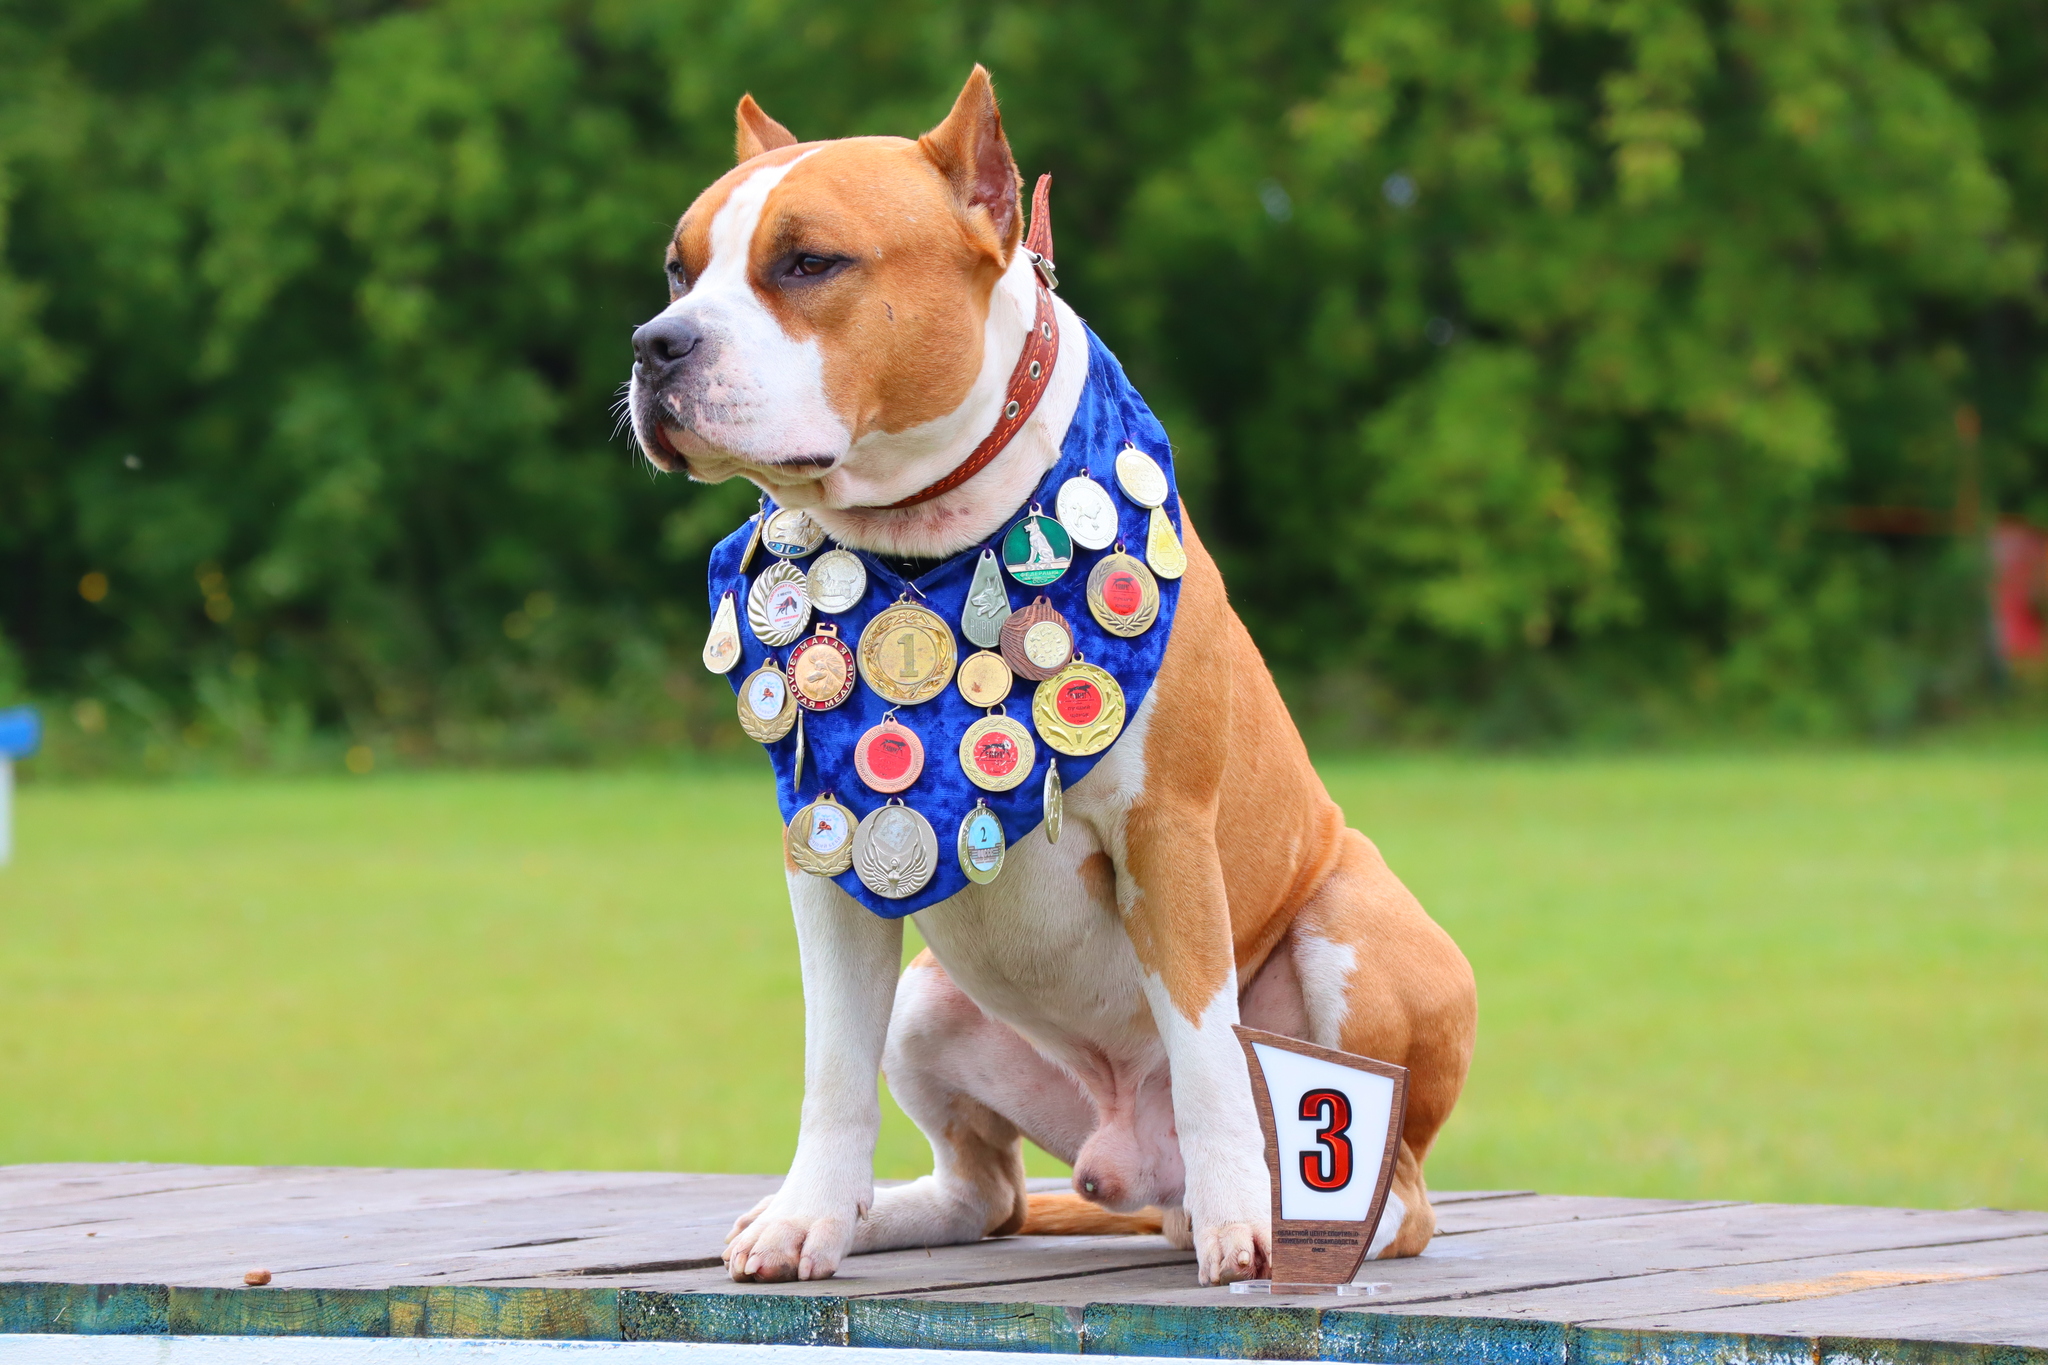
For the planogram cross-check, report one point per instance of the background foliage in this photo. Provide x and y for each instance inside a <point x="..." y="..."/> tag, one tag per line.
<point x="1521" y="356"/>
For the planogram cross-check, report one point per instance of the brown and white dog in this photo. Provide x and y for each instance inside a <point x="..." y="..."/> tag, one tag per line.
<point x="844" y="317"/>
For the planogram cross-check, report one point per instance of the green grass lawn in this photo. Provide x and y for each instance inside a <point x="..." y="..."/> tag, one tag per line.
<point x="1806" y="977"/>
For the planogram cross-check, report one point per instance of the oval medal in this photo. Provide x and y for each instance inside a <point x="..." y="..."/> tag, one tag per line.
<point x="1055" y="803"/>
<point x="1037" y="550"/>
<point x="997" y="753"/>
<point x="722" y="645"/>
<point x="895" y="850"/>
<point x="767" y="709"/>
<point x="820" y="837"/>
<point x="1123" y="596"/>
<point x="791" y="533"/>
<point x="906" y="653"/>
<point x="889" y="756"/>
<point x="1088" y="512"/>
<point x="1079" y="710"/>
<point x="821" y="670"/>
<point x="1162" y="547"/>
<point x="1140" y="476"/>
<point x="988" y="604"/>
<point x="779" y="604"/>
<point x="1037" y="641"/>
<point x="984" y="679"/>
<point x="837" y="581"/>
<point x="981" y="844"/>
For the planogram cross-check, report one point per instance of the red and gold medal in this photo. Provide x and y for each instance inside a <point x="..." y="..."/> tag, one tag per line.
<point x="889" y="756"/>
<point x="997" y="753"/>
<point x="821" y="670"/>
<point x="1079" y="710"/>
<point x="1123" y="596"/>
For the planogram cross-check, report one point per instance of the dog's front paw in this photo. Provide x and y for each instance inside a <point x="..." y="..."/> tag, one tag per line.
<point x="1232" y="1251"/>
<point x="767" y="1247"/>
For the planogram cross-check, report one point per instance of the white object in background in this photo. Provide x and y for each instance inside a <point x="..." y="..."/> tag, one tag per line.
<point x="21" y="730"/>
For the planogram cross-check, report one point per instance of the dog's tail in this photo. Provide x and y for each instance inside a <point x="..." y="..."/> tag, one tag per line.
<point x="1069" y="1215"/>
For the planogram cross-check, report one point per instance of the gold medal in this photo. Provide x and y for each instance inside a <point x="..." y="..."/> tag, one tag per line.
<point x="1140" y="476"/>
<point x="821" y="670"/>
<point x="889" y="756"/>
<point x="988" y="603"/>
<point x="767" y="709"/>
<point x="820" y="837"/>
<point x="796" y="766"/>
<point x="997" y="753"/>
<point x="837" y="581"/>
<point x="722" y="645"/>
<point x="1123" y="596"/>
<point x="791" y="533"/>
<point x="1055" y="803"/>
<point x="984" y="679"/>
<point x="779" y="604"/>
<point x="1162" y="547"/>
<point x="895" y="850"/>
<point x="1037" y="641"/>
<point x="753" y="537"/>
<point x="1079" y="710"/>
<point x="981" y="845"/>
<point x="906" y="653"/>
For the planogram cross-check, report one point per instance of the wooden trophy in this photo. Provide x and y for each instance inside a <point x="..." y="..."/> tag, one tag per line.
<point x="1333" y="1124"/>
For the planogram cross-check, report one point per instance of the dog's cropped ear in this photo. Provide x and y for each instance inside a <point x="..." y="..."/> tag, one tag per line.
<point x="971" y="152"/>
<point x="757" y="132"/>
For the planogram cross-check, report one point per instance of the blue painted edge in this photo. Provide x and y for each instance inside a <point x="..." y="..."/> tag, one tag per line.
<point x="1197" y="1331"/>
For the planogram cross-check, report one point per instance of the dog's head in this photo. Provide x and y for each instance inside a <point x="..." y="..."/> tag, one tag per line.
<point x="826" y="296"/>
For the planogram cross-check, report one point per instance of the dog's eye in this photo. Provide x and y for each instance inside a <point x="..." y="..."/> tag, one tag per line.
<point x="811" y="265"/>
<point x="676" y="279"/>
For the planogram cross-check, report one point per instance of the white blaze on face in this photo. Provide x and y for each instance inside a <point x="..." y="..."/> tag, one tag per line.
<point x="761" y="393"/>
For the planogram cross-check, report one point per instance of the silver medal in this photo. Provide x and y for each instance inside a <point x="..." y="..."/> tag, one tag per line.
<point x="1085" y="508"/>
<point x="779" y="604"/>
<point x="895" y="851"/>
<point x="981" y="844"/>
<point x="838" y="580"/>
<point x="1055" y="804"/>
<point x="791" y="532"/>
<point x="1143" y="481"/>
<point x="988" y="604"/>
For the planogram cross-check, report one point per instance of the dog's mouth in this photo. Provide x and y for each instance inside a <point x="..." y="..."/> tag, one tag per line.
<point x="673" y="443"/>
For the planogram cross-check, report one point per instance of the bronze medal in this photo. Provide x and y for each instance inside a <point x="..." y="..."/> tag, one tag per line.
<point x="767" y="707"/>
<point x="722" y="644"/>
<point x="889" y="756"/>
<point x="779" y="604"/>
<point x="1055" y="803"/>
<point x="791" y="533"/>
<point x="984" y="679"/>
<point x="988" y="603"/>
<point x="1163" y="548"/>
<point x="1079" y="710"/>
<point x="820" y="837"/>
<point x="981" y="845"/>
<point x="821" y="670"/>
<point x="997" y="753"/>
<point x="1037" y="641"/>
<point x="1123" y="596"/>
<point x="907" y="653"/>
<point x="895" y="850"/>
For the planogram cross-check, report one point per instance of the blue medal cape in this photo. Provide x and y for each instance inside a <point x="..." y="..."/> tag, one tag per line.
<point x="1110" y="413"/>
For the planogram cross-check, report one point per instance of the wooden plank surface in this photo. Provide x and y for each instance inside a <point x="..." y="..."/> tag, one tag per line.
<point x="1513" y="1278"/>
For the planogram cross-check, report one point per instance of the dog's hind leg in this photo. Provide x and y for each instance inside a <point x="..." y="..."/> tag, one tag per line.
<point x="975" y="1088"/>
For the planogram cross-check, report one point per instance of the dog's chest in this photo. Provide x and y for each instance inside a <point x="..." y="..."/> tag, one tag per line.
<point x="1043" y="948"/>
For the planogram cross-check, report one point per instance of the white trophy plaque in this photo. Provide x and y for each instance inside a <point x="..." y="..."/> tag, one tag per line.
<point x="1333" y="1124"/>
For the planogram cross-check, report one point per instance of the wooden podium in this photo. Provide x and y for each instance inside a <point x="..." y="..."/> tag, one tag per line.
<point x="1333" y="1124"/>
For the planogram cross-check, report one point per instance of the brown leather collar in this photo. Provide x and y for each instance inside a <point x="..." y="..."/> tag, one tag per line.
<point x="1034" y="366"/>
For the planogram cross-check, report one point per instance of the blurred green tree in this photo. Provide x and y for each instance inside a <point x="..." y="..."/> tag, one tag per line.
<point x="1520" y="356"/>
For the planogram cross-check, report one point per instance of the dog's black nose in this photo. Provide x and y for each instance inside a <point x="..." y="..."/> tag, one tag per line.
<point x="665" y="341"/>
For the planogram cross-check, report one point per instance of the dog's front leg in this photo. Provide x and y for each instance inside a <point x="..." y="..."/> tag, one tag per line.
<point x="1177" y="913"/>
<point x="850" y="961"/>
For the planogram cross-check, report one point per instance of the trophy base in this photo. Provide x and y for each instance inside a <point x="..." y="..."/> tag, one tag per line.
<point x="1345" y="1291"/>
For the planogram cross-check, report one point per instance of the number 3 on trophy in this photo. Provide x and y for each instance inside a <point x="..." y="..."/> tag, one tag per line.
<point x="1328" y="1168"/>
